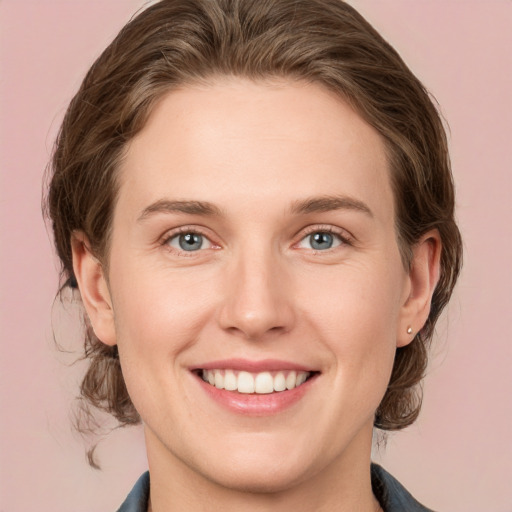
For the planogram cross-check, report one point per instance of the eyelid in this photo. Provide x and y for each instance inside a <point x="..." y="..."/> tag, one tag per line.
<point x="197" y="230"/>
<point x="345" y="237"/>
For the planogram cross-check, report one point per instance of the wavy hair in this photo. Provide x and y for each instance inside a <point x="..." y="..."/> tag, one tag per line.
<point x="179" y="42"/>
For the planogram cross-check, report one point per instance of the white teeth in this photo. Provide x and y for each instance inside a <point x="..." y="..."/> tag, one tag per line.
<point x="219" y="380"/>
<point x="245" y="382"/>
<point x="301" y="378"/>
<point x="264" y="383"/>
<point x="230" y="380"/>
<point x="291" y="380"/>
<point x="259" y="383"/>
<point x="279" y="382"/>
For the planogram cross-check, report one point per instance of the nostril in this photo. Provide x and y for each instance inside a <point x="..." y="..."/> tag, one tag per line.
<point x="254" y="309"/>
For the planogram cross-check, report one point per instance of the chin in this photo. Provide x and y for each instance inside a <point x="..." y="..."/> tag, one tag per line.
<point x="267" y="479"/>
<point x="268" y="468"/>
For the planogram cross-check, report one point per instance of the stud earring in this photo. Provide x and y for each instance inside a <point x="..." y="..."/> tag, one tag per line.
<point x="409" y="330"/>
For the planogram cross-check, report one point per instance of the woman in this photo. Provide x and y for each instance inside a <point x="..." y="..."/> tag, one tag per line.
<point x="255" y="201"/>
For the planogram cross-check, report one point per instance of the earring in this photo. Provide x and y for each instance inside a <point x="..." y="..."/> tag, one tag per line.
<point x="409" y="330"/>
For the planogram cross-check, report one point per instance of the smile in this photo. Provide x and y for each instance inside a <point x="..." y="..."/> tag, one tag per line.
<point x="255" y="388"/>
<point x="254" y="383"/>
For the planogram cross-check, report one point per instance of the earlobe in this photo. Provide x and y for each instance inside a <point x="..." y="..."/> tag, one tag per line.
<point x="93" y="288"/>
<point x="422" y="280"/>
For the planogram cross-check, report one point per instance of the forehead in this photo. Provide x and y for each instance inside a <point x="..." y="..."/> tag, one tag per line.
<point x="237" y="140"/>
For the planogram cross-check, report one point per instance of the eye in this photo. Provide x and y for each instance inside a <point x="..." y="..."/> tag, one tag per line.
<point x="321" y="241"/>
<point x="189" y="241"/>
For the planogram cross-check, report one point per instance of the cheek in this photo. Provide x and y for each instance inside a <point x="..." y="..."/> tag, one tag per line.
<point x="157" y="311"/>
<point x="356" y="317"/>
<point x="157" y="317"/>
<point x="358" y="299"/>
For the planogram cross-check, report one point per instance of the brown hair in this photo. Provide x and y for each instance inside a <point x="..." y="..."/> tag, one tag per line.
<point x="176" y="42"/>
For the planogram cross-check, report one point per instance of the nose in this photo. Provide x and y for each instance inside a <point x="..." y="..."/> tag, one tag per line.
<point x="257" y="303"/>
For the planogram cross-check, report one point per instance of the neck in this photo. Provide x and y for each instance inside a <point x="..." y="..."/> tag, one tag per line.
<point x="344" y="486"/>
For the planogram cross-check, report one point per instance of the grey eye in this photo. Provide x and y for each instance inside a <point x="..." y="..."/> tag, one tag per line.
<point x="189" y="242"/>
<point x="320" y="241"/>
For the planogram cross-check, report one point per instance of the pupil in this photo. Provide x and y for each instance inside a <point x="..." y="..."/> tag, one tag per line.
<point x="191" y="241"/>
<point x="321" y="241"/>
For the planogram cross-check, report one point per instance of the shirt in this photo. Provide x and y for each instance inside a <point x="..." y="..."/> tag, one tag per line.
<point x="391" y="494"/>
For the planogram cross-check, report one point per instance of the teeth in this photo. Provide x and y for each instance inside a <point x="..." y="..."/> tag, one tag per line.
<point x="279" y="382"/>
<point x="245" y="382"/>
<point x="230" y="380"/>
<point x="259" y="383"/>
<point x="264" y="383"/>
<point x="219" y="380"/>
<point x="291" y="380"/>
<point x="300" y="379"/>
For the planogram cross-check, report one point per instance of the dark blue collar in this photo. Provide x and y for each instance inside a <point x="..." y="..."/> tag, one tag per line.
<point x="391" y="494"/>
<point x="138" y="499"/>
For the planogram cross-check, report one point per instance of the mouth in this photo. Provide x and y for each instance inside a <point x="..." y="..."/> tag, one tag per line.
<point x="256" y="388"/>
<point x="255" y="383"/>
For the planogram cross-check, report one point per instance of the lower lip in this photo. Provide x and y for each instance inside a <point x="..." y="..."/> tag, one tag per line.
<point x="257" y="404"/>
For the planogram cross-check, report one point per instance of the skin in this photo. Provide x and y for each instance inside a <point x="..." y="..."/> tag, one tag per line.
<point x="256" y="290"/>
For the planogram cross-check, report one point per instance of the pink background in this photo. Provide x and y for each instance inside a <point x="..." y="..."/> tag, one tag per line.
<point x="457" y="457"/>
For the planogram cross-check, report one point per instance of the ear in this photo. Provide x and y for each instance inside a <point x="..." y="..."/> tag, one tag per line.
<point x="422" y="280"/>
<point x="93" y="288"/>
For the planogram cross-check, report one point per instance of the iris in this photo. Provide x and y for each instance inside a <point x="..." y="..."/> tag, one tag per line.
<point x="320" y="241"/>
<point x="190" y="241"/>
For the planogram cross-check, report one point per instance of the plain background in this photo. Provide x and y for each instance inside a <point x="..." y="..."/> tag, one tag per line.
<point x="457" y="457"/>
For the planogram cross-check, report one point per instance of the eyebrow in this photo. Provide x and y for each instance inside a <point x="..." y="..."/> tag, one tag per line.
<point x="303" y="206"/>
<point x="329" y="203"/>
<point x="189" y="207"/>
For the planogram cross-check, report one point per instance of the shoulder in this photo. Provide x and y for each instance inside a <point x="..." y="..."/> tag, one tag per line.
<point x="392" y="495"/>
<point x="137" y="500"/>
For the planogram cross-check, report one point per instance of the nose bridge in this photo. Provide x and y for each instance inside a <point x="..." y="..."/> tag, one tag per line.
<point x="257" y="298"/>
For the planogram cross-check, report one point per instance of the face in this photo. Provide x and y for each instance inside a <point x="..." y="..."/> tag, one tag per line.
<point x="256" y="285"/>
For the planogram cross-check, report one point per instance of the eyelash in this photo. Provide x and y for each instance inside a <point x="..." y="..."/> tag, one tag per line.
<point x="184" y="230"/>
<point x="342" y="236"/>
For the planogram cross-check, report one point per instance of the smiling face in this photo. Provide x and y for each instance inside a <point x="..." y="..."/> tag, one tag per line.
<point x="255" y="290"/>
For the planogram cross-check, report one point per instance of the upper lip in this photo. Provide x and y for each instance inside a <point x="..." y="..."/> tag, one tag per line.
<point x="263" y="365"/>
